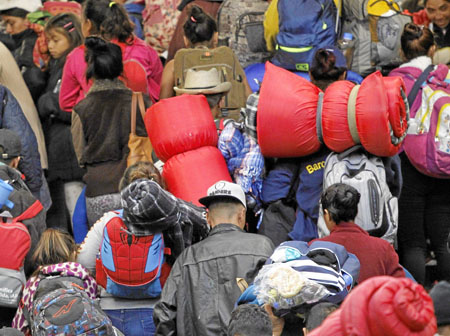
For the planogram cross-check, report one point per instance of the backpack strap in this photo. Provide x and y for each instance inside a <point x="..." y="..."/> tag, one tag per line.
<point x="418" y="84"/>
<point x="295" y="181"/>
<point x="349" y="151"/>
<point x="32" y="211"/>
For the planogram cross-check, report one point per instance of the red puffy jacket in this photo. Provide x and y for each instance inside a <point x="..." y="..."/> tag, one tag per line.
<point x="382" y="306"/>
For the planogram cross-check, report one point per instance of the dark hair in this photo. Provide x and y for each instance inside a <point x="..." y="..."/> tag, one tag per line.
<point x="141" y="170"/>
<point x="104" y="59"/>
<point x="318" y="313"/>
<point x="416" y="41"/>
<point x="17" y="12"/>
<point x="425" y="2"/>
<point x="69" y="25"/>
<point x="199" y="26"/>
<point x="249" y="320"/>
<point x="341" y="200"/>
<point x="324" y="70"/>
<point x="109" y="19"/>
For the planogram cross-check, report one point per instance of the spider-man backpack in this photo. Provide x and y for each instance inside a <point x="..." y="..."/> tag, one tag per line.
<point x="130" y="266"/>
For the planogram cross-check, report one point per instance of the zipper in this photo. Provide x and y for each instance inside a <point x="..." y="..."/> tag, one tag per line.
<point x="436" y="138"/>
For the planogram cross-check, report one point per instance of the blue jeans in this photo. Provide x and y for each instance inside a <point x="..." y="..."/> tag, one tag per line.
<point x="133" y="322"/>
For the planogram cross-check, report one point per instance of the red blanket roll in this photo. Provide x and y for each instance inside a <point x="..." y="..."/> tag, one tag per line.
<point x="180" y="124"/>
<point x="373" y="108"/>
<point x="189" y="175"/>
<point x="286" y="118"/>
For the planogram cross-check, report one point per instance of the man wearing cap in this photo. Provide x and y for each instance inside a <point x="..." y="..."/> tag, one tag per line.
<point x="202" y="289"/>
<point x="10" y="148"/>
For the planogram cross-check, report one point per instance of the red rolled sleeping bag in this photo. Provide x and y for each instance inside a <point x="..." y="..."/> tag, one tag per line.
<point x="189" y="175"/>
<point x="180" y="124"/>
<point x="398" y="111"/>
<point x="370" y="111"/>
<point x="286" y="118"/>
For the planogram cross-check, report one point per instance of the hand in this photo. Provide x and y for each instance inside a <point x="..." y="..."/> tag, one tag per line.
<point x="277" y="322"/>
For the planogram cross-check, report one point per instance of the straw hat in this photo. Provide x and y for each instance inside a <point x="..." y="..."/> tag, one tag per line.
<point x="28" y="5"/>
<point x="203" y="82"/>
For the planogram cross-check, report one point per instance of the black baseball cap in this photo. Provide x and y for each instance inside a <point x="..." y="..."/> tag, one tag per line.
<point x="10" y="144"/>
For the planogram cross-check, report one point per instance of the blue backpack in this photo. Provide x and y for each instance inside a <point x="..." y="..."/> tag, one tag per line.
<point x="304" y="27"/>
<point x="128" y="265"/>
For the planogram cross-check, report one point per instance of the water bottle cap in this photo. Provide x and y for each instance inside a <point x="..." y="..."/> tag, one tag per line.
<point x="348" y="36"/>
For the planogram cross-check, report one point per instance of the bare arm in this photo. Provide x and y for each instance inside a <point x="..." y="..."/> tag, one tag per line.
<point x="167" y="81"/>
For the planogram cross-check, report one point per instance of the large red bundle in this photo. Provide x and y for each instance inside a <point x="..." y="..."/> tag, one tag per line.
<point x="286" y="119"/>
<point x="180" y="124"/>
<point x="190" y="174"/>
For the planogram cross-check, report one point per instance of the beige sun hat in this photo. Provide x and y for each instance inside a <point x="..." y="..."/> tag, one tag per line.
<point x="203" y="82"/>
<point x="28" y="5"/>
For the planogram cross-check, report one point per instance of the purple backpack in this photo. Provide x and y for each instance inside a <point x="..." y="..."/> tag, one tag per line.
<point x="427" y="144"/>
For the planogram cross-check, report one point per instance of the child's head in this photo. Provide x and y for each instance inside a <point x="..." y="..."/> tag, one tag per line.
<point x="249" y="320"/>
<point x="107" y="19"/>
<point x="104" y="59"/>
<point x="63" y="33"/>
<point x="327" y="67"/>
<point x="417" y="41"/>
<point x="200" y="28"/>
<point x="140" y="170"/>
<point x="54" y="247"/>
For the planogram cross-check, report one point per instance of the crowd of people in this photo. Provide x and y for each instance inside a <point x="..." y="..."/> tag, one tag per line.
<point x="119" y="247"/>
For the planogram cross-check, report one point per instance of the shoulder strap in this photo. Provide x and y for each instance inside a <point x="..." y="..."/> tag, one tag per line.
<point x="418" y="83"/>
<point x="32" y="211"/>
<point x="136" y="99"/>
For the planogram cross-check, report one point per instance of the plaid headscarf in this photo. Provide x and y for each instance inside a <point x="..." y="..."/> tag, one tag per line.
<point x="149" y="209"/>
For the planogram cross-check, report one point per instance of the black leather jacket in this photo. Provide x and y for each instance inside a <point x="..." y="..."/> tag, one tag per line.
<point x="201" y="290"/>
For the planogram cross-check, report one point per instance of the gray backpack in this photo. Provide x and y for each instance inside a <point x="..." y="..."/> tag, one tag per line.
<point x="377" y="208"/>
<point x="240" y="26"/>
<point x="377" y="37"/>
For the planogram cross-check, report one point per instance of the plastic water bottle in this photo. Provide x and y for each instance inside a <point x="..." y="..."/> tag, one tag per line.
<point x="346" y="44"/>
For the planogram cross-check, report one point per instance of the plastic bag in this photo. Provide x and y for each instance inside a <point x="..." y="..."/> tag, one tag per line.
<point x="283" y="287"/>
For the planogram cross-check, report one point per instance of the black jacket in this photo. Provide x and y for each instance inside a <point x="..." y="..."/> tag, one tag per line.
<point x="22" y="49"/>
<point x="201" y="290"/>
<point x="442" y="40"/>
<point x="62" y="161"/>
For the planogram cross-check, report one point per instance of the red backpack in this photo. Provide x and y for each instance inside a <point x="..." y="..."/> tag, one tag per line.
<point x="131" y="266"/>
<point x="15" y="243"/>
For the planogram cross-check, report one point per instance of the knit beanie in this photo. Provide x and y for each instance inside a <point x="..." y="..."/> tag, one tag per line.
<point x="441" y="298"/>
<point x="147" y="208"/>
